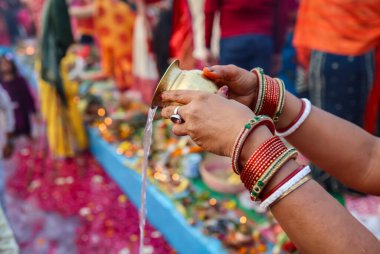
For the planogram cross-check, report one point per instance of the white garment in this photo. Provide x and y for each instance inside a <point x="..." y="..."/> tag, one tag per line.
<point x="143" y="61"/>
<point x="8" y="244"/>
<point x="7" y="120"/>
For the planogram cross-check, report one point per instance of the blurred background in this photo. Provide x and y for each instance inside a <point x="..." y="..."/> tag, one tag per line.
<point x="76" y="82"/>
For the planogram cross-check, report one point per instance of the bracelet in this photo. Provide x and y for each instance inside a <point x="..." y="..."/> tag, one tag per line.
<point x="272" y="170"/>
<point x="303" y="105"/>
<point x="260" y="98"/>
<point x="242" y="137"/>
<point x="253" y="174"/>
<point x="285" y="187"/>
<point x="270" y="98"/>
<point x="261" y="159"/>
<point x="271" y="95"/>
<point x="299" y="122"/>
<point x="293" y="188"/>
<point x="281" y="100"/>
<point x="283" y="182"/>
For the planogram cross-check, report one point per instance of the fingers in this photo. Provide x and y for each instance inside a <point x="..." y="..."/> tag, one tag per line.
<point x="221" y="73"/>
<point x="210" y="73"/>
<point x="168" y="111"/>
<point x="223" y="91"/>
<point x="181" y="96"/>
<point x="179" y="130"/>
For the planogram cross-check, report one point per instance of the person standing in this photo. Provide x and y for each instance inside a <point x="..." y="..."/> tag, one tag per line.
<point x="336" y="44"/>
<point x="20" y="94"/>
<point x="7" y="122"/>
<point x="252" y="32"/>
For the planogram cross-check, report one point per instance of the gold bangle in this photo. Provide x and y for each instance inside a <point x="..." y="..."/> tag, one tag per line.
<point x="271" y="171"/>
<point x="293" y="188"/>
<point x="281" y="102"/>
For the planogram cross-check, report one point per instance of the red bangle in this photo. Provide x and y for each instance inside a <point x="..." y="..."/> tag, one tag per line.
<point x="272" y="99"/>
<point x="264" y="146"/>
<point x="303" y="105"/>
<point x="260" y="160"/>
<point x="242" y="138"/>
<point x="283" y="182"/>
<point x="252" y="171"/>
<point x="259" y="169"/>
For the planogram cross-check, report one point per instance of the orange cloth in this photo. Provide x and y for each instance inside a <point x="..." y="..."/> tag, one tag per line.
<point x="114" y="22"/>
<point x="346" y="27"/>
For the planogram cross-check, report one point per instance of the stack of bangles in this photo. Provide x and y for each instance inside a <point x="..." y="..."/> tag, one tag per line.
<point x="273" y="154"/>
<point x="271" y="95"/>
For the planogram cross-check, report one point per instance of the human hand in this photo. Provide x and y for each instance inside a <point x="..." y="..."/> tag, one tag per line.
<point x="242" y="84"/>
<point x="211" y="120"/>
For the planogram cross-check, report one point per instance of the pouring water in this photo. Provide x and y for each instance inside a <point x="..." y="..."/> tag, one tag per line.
<point x="147" y="140"/>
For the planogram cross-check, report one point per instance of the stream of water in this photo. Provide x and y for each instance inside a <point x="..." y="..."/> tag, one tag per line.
<point x="147" y="140"/>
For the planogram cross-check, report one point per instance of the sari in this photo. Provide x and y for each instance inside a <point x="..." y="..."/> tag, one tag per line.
<point x="114" y="21"/>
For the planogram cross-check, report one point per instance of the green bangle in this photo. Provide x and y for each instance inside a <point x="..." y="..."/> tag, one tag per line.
<point x="272" y="170"/>
<point x="281" y="103"/>
<point x="260" y="97"/>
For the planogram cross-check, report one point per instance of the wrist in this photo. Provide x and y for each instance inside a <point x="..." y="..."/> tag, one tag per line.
<point x="291" y="109"/>
<point x="259" y="136"/>
<point x="253" y="82"/>
<point x="286" y="170"/>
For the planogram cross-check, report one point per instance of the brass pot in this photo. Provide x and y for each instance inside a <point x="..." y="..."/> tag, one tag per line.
<point x="177" y="79"/>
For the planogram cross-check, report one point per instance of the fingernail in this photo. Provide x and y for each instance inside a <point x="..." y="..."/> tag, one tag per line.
<point x="225" y="90"/>
<point x="209" y="69"/>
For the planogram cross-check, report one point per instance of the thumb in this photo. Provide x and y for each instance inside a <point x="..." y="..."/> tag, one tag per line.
<point x="223" y="91"/>
<point x="222" y="74"/>
<point x="213" y="72"/>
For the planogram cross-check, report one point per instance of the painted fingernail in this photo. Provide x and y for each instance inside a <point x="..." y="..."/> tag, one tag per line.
<point x="208" y="69"/>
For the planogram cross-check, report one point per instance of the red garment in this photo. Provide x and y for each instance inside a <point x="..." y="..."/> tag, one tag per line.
<point x="5" y="40"/>
<point x="86" y="26"/>
<point x="36" y="6"/>
<point x="373" y="104"/>
<point x="181" y="42"/>
<point x="242" y="17"/>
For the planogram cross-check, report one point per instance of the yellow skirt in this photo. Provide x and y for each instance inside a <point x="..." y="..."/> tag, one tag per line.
<point x="64" y="126"/>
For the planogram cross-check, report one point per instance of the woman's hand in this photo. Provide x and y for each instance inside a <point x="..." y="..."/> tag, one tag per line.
<point x="242" y="84"/>
<point x="211" y="120"/>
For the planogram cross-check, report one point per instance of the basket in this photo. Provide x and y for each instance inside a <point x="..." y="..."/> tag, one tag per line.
<point x="217" y="174"/>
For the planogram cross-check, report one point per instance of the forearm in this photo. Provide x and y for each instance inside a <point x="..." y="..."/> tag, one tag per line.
<point x="335" y="145"/>
<point x="309" y="215"/>
<point x="317" y="223"/>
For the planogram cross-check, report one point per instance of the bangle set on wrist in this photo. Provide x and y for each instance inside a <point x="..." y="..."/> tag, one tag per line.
<point x="272" y="155"/>
<point x="271" y="95"/>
